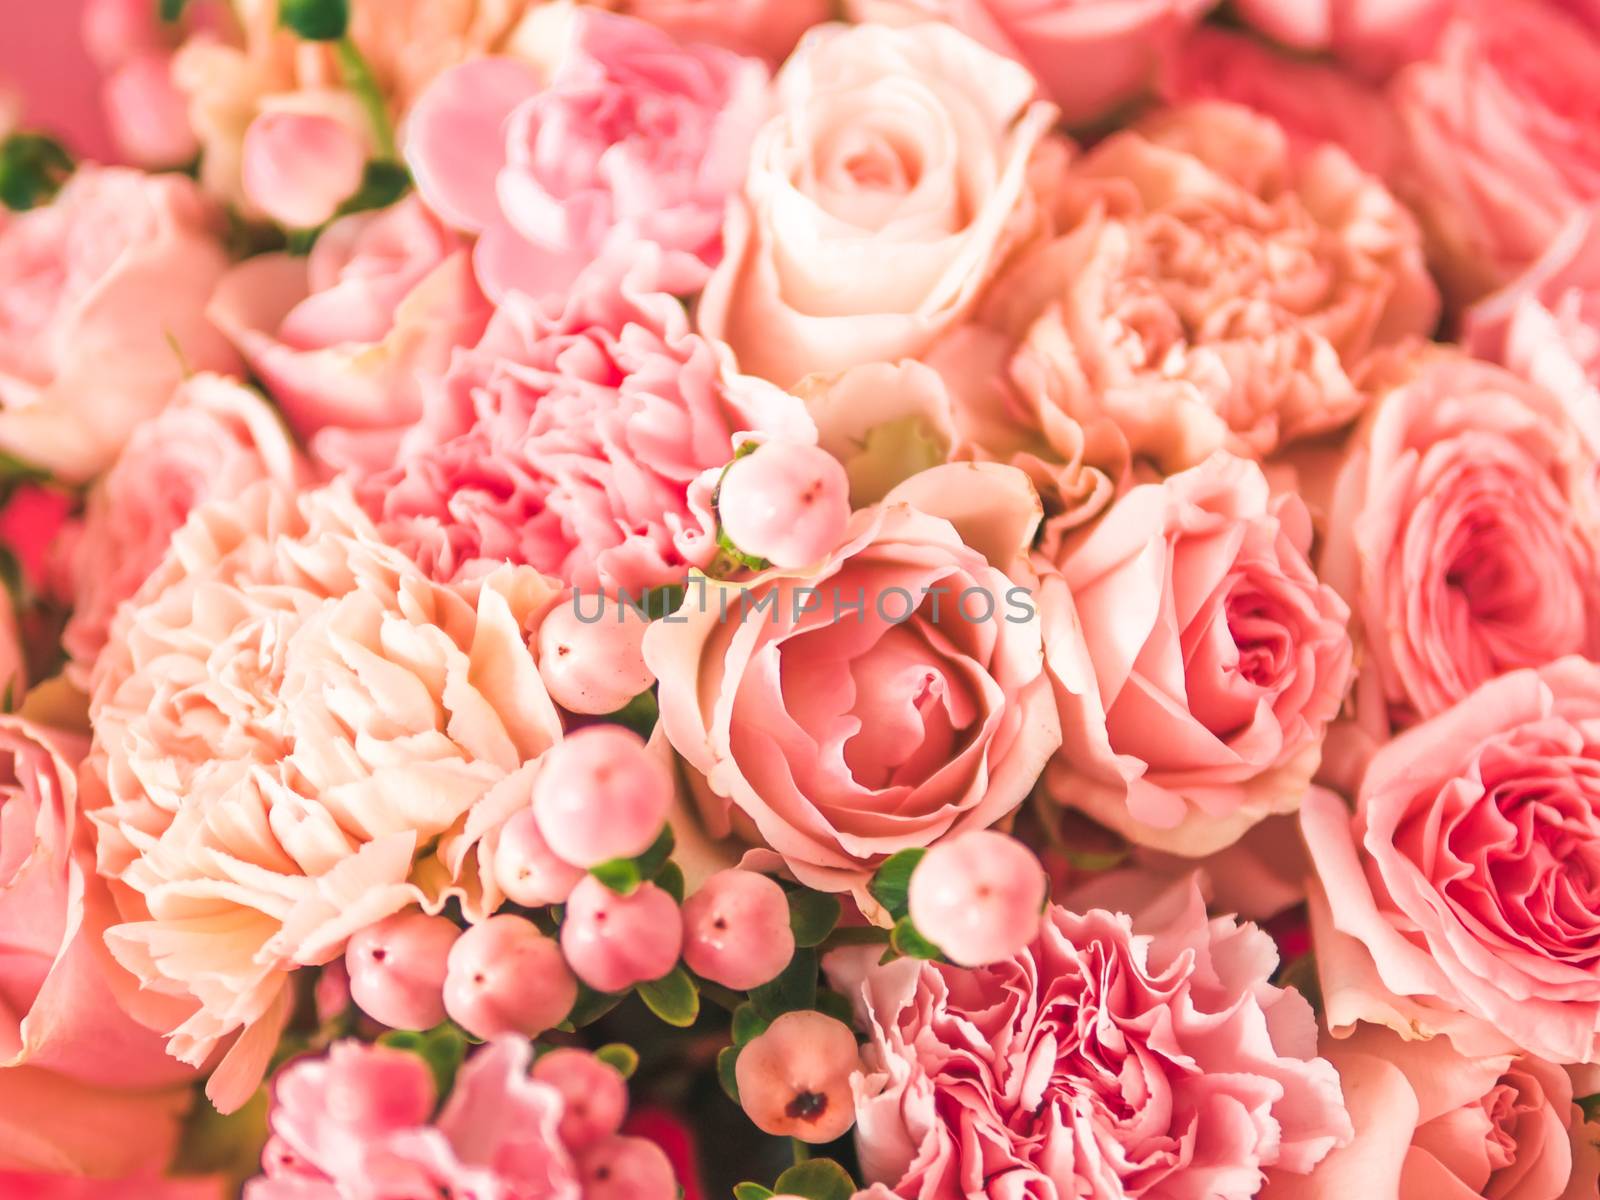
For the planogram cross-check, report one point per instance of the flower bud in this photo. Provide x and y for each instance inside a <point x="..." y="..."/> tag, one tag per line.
<point x="298" y="168"/>
<point x="506" y="977"/>
<point x="794" y="1078"/>
<point x="613" y="942"/>
<point x="594" y="1094"/>
<point x="149" y="117"/>
<point x="978" y="897"/>
<point x="601" y="795"/>
<point x="527" y="870"/>
<point x="626" y="1168"/>
<point x="736" y="930"/>
<point x="397" y="969"/>
<point x="591" y="654"/>
<point x="786" y="502"/>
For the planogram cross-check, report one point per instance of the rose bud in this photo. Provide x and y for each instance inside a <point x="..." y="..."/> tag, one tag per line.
<point x="591" y="656"/>
<point x="978" y="897"/>
<point x="397" y="969"/>
<point x="600" y="795"/>
<point x="794" y="1078"/>
<point x="527" y="870"/>
<point x="626" y="1168"/>
<point x="786" y="502"/>
<point x="736" y="930"/>
<point x="507" y="977"/>
<point x="299" y="167"/>
<point x="594" y="1095"/>
<point x="613" y="942"/>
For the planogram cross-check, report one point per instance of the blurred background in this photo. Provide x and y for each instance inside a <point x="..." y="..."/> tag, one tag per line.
<point x="46" y="79"/>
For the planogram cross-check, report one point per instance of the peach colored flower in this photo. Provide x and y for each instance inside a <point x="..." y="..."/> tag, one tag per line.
<point x="867" y="228"/>
<point x="298" y="733"/>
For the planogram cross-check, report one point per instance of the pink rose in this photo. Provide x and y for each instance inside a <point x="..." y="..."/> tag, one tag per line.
<point x="887" y="697"/>
<point x="1502" y="137"/>
<point x="1212" y="288"/>
<point x="1214" y="659"/>
<point x="1375" y="36"/>
<point x="73" y="1065"/>
<point x="104" y="311"/>
<point x="344" y="337"/>
<point x="362" y="1116"/>
<point x="1431" y="1124"/>
<point x="636" y="140"/>
<point x="1545" y="324"/>
<point x="1111" y="1058"/>
<point x="767" y="29"/>
<point x="569" y="438"/>
<point x="284" y="667"/>
<point x="1459" y="897"/>
<point x="1313" y="101"/>
<point x="1465" y="533"/>
<point x="868" y="228"/>
<point x="1089" y="55"/>
<point x="214" y="439"/>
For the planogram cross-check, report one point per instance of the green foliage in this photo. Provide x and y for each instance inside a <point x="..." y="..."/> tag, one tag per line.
<point x="793" y="990"/>
<point x="315" y="20"/>
<point x="674" y="998"/>
<point x="33" y="166"/>
<point x="891" y="884"/>
<point x="817" y="1179"/>
<point x="443" y="1048"/>
<point x="622" y="1058"/>
<point x="812" y="916"/>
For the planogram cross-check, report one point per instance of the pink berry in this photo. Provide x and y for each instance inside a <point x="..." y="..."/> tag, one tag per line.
<point x="794" y="1077"/>
<point x="591" y="654"/>
<point x="736" y="930"/>
<point x="786" y="502"/>
<point x="613" y="942"/>
<point x="601" y="795"/>
<point x="525" y="867"/>
<point x="595" y="1096"/>
<point x="507" y="977"/>
<point x="978" y="897"/>
<point x="397" y="969"/>
<point x="299" y="167"/>
<point x="626" y="1168"/>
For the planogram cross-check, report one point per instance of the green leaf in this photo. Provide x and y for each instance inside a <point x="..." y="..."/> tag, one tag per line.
<point x="747" y="1024"/>
<point x="621" y="875"/>
<point x="620" y="1056"/>
<point x="443" y="1048"/>
<point x="674" y="998"/>
<point x="817" y="1179"/>
<point x="33" y="167"/>
<point x="907" y="941"/>
<point x="726" y="1059"/>
<point x="858" y="935"/>
<point x="812" y="916"/>
<point x="653" y="859"/>
<point x="590" y="1006"/>
<point x="171" y="10"/>
<point x="656" y="602"/>
<point x="1590" y="1106"/>
<point x="836" y="1006"/>
<point x="382" y="183"/>
<point x="892" y="883"/>
<point x="638" y="714"/>
<point x="752" y="1191"/>
<point x="794" y="989"/>
<point x="315" y="20"/>
<point x="670" y="881"/>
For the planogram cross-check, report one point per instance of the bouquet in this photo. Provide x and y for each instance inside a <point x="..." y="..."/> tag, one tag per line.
<point x="891" y="600"/>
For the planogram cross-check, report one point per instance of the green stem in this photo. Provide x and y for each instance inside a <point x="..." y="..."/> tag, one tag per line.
<point x="802" y="1152"/>
<point x="720" y="996"/>
<point x="359" y="79"/>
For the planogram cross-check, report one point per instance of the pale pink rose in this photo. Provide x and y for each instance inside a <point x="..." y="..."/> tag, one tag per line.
<point x="83" y="1088"/>
<point x="1431" y="1124"/>
<point x="1314" y="101"/>
<point x="1213" y="288"/>
<point x="102" y="311"/>
<point x="18" y="1186"/>
<point x="342" y="729"/>
<point x="1215" y="659"/>
<point x="767" y="29"/>
<point x="344" y="337"/>
<point x="1112" y="1058"/>
<point x="866" y="227"/>
<point x="359" y="1122"/>
<point x="841" y="735"/>
<point x="569" y="439"/>
<point x="1464" y="531"/>
<point x="298" y="168"/>
<point x="1502" y="137"/>
<point x="147" y="114"/>
<point x="214" y="439"/>
<point x="1376" y="36"/>
<point x="635" y="140"/>
<point x="1089" y="55"/>
<point x="1459" y="897"/>
<point x="1545" y="324"/>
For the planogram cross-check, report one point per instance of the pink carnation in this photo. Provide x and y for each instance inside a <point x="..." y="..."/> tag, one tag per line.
<point x="1101" y="1061"/>
<point x="214" y="439"/>
<point x="297" y="734"/>
<point x="343" y="337"/>
<point x="568" y="439"/>
<point x="636" y="140"/>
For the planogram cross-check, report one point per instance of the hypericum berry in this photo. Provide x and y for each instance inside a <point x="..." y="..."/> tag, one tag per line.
<point x="626" y="1168"/>
<point x="601" y="795"/>
<point x="397" y="969"/>
<point x="786" y="502"/>
<point x="794" y="1078"/>
<point x="527" y="870"/>
<point x="299" y="167"/>
<point x="613" y="942"/>
<point x="507" y="977"/>
<point x="978" y="897"/>
<point x="595" y="1095"/>
<point x="736" y="930"/>
<point x="591" y="654"/>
